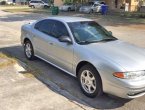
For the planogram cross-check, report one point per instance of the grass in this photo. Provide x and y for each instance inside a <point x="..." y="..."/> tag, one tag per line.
<point x="136" y="20"/>
<point x="15" y="9"/>
<point x="27" y="10"/>
<point x="127" y="17"/>
<point x="6" y="60"/>
<point x="116" y="19"/>
<point x="130" y="19"/>
<point x="2" y="7"/>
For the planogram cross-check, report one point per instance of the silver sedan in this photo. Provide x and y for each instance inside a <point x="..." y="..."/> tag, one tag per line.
<point x="67" y="7"/>
<point x="84" y="49"/>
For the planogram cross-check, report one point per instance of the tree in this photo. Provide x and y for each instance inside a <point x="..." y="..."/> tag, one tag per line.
<point x="51" y="2"/>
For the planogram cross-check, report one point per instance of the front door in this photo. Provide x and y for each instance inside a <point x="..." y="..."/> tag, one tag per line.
<point x="62" y="52"/>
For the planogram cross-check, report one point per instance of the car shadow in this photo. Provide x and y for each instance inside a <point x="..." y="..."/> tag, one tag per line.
<point x="63" y="83"/>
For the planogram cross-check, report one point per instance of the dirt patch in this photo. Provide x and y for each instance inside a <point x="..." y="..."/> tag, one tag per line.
<point x="6" y="61"/>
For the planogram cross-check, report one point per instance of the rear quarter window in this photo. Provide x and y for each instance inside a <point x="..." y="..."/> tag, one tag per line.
<point x="44" y="26"/>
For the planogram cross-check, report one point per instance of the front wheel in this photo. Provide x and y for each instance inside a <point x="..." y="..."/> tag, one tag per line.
<point x="28" y="50"/>
<point x="90" y="81"/>
<point x="46" y="6"/>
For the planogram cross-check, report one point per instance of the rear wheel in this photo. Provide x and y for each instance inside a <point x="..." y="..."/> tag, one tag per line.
<point x="46" y="7"/>
<point x="32" y="6"/>
<point x="28" y="50"/>
<point x="69" y="9"/>
<point x="90" y="81"/>
<point x="91" y="11"/>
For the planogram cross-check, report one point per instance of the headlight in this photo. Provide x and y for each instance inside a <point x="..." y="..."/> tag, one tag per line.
<point x="129" y="75"/>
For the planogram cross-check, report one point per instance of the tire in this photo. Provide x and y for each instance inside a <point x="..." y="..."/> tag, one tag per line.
<point x="95" y="83"/>
<point x="28" y="50"/>
<point x="69" y="9"/>
<point x="91" y="11"/>
<point x="32" y="6"/>
<point x="45" y="7"/>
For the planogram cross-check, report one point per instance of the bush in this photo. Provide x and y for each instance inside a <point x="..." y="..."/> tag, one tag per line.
<point x="133" y="15"/>
<point x="3" y="3"/>
<point x="142" y="15"/>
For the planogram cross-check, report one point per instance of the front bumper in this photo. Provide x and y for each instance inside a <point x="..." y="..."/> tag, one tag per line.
<point x="125" y="92"/>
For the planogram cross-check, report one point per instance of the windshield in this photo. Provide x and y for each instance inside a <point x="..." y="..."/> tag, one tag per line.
<point x="89" y="32"/>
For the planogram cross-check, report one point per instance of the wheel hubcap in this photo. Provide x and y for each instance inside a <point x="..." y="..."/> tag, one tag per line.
<point x="88" y="81"/>
<point x="28" y="50"/>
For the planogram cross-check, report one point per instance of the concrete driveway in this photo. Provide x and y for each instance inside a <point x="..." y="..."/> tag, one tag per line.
<point x="10" y="43"/>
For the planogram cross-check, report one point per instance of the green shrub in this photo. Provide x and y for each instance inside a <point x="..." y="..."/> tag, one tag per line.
<point x="133" y="15"/>
<point x="142" y="15"/>
<point x="3" y="3"/>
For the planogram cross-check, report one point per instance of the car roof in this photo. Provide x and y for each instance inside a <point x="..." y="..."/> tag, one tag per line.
<point x="69" y="19"/>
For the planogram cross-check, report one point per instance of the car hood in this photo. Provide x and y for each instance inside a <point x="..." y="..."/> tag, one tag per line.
<point x="128" y="56"/>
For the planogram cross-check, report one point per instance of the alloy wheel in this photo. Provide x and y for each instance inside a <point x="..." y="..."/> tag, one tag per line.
<point x="88" y="81"/>
<point x="28" y="50"/>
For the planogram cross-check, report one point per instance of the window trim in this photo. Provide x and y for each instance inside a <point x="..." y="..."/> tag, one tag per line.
<point x="65" y="24"/>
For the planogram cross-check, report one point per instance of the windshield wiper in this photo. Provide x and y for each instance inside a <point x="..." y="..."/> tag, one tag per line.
<point x="95" y="41"/>
<point x="110" y="39"/>
<point x="84" y="42"/>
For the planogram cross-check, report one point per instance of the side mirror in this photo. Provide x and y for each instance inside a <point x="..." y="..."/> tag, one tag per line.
<point x="65" y="39"/>
<point x="110" y="32"/>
